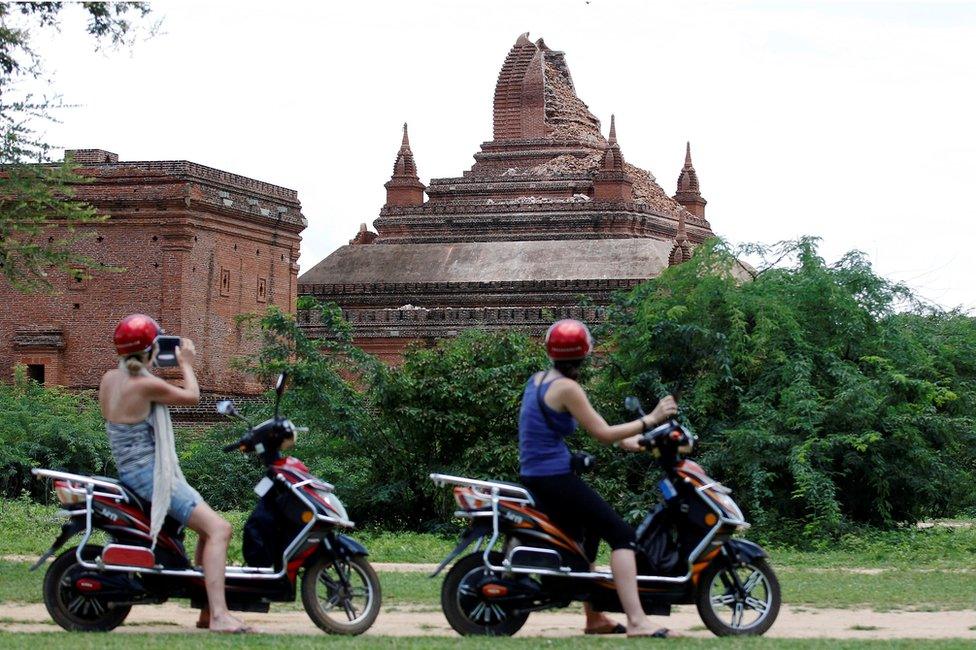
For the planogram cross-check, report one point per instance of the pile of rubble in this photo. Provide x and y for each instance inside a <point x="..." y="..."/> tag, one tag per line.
<point x="648" y="192"/>
<point x="567" y="117"/>
<point x="568" y="164"/>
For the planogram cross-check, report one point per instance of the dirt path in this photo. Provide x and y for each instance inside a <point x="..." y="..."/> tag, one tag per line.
<point x="793" y="623"/>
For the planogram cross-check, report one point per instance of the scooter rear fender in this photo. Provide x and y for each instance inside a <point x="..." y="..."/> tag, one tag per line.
<point x="478" y="530"/>
<point x="69" y="529"/>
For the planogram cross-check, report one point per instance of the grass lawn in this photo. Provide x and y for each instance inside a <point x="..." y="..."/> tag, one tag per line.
<point x="920" y="590"/>
<point x="56" y="641"/>
<point x="920" y="568"/>
<point x="28" y="529"/>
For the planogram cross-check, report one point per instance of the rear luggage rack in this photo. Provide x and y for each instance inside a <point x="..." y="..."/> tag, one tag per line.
<point x="73" y="485"/>
<point x="487" y="489"/>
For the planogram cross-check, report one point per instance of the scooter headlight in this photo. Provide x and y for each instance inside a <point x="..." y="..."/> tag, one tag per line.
<point x="729" y="507"/>
<point x="334" y="503"/>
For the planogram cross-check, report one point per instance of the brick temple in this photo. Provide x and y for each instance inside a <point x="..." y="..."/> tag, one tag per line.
<point x="199" y="246"/>
<point x="549" y="212"/>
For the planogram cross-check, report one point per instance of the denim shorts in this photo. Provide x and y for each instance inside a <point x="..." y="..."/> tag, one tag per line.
<point x="182" y="501"/>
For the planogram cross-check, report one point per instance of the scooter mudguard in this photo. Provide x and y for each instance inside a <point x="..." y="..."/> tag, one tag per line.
<point x="476" y="531"/>
<point x="348" y="547"/>
<point x="742" y="551"/>
<point x="69" y="529"/>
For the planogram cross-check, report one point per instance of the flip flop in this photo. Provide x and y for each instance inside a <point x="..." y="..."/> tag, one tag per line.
<point x="606" y="628"/>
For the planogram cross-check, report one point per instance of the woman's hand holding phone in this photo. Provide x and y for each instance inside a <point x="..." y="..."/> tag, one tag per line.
<point x="186" y="352"/>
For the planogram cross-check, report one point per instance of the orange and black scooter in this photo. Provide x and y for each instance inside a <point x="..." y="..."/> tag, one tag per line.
<point x="686" y="554"/>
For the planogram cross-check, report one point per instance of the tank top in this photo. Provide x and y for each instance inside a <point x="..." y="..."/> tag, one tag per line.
<point x="133" y="445"/>
<point x="542" y="448"/>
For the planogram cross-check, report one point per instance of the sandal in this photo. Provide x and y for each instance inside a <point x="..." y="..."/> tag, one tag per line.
<point x="606" y="628"/>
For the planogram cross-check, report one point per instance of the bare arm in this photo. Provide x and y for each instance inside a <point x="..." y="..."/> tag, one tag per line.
<point x="163" y="392"/>
<point x="574" y="398"/>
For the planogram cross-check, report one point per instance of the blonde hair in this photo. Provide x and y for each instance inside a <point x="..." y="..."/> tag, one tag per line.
<point x="134" y="364"/>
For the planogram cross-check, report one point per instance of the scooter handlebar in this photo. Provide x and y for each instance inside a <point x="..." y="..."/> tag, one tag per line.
<point x="235" y="446"/>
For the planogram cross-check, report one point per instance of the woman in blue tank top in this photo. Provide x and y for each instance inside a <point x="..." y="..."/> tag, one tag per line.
<point x="552" y="404"/>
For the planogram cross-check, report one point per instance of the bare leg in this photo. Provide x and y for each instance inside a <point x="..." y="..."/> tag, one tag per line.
<point x="204" y="620"/>
<point x="214" y="559"/>
<point x="594" y="619"/>
<point x="624" y="567"/>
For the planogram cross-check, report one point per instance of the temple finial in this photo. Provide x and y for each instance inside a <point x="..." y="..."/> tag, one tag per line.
<point x="404" y="188"/>
<point x="611" y="182"/>
<point x="689" y="191"/>
<point x="682" y="249"/>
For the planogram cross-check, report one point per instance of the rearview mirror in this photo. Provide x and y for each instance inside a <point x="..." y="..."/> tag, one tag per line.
<point x="281" y="382"/>
<point x="226" y="407"/>
<point x="633" y="404"/>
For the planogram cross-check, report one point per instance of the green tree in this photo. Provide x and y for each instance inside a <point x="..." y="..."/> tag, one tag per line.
<point x="451" y="408"/>
<point x="325" y="378"/>
<point x="36" y="194"/>
<point x="48" y="427"/>
<point x="824" y="394"/>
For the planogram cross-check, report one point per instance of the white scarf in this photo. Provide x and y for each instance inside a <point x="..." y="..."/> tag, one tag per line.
<point x="166" y="471"/>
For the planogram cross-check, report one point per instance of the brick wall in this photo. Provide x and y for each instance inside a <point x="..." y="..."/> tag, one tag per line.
<point x="194" y="259"/>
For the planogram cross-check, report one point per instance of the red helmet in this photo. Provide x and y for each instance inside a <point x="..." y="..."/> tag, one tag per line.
<point x="568" y="339"/>
<point x="136" y="333"/>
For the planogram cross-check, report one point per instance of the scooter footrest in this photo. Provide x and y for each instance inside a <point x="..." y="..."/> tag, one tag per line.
<point x="122" y="554"/>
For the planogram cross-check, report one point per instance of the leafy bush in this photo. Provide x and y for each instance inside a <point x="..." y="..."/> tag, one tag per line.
<point x="826" y="396"/>
<point x="48" y="427"/>
<point x="325" y="379"/>
<point x="813" y="395"/>
<point x="452" y="408"/>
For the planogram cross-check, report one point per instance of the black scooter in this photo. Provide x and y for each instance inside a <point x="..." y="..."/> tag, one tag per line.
<point x="686" y="554"/>
<point x="295" y="528"/>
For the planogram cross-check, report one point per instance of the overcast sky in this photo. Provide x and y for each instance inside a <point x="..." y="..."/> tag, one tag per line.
<point x="849" y="121"/>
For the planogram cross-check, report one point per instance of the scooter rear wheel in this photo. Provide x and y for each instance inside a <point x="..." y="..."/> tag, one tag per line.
<point x="69" y="605"/>
<point x="727" y="611"/>
<point x="342" y="596"/>
<point x="467" y="610"/>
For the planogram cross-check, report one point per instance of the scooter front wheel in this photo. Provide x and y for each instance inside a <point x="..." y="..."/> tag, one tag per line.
<point x="467" y="608"/>
<point x="741" y="600"/>
<point x="342" y="596"/>
<point x="73" y="595"/>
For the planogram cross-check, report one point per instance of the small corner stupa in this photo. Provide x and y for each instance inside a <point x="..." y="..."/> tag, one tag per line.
<point x="549" y="212"/>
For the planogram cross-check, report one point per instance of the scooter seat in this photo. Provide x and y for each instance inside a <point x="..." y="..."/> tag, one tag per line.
<point x="171" y="526"/>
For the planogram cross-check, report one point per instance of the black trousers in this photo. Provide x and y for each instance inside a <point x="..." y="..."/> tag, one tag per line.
<point x="575" y="507"/>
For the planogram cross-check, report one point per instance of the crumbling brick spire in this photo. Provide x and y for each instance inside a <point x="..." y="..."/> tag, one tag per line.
<point x="689" y="192"/>
<point x="682" y="249"/>
<point x="611" y="182"/>
<point x="364" y="236"/>
<point x="404" y="188"/>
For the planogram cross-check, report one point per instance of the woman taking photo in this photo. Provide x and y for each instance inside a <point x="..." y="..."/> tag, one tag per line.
<point x="552" y="405"/>
<point x="135" y="405"/>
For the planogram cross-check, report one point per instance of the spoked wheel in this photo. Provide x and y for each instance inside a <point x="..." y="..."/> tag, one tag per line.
<point x="467" y="609"/>
<point x="741" y="600"/>
<point x="342" y="596"/>
<point x="71" y="595"/>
